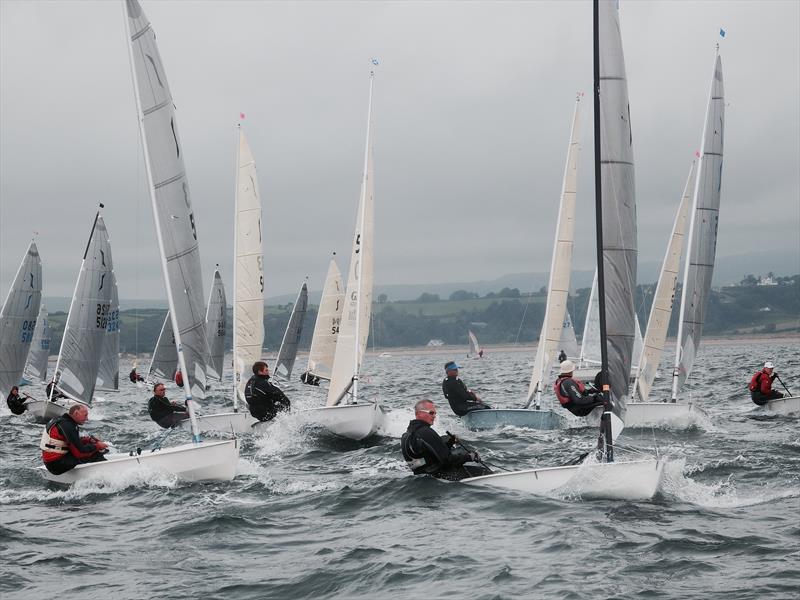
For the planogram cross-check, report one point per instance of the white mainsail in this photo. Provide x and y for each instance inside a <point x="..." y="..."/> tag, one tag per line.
<point x="18" y="318"/>
<point x="108" y="373"/>
<point x="663" y="298"/>
<point x="291" y="337"/>
<point x="474" y="346"/>
<point x="216" y="325"/>
<point x="248" y="271"/>
<point x="89" y="312"/>
<point x="326" y="329"/>
<point x="702" y="239"/>
<point x="618" y="198"/>
<point x="165" y="355"/>
<point x="172" y="206"/>
<point x="560" y="269"/>
<point x="568" y="343"/>
<point x="590" y="342"/>
<point x="36" y="367"/>
<point x="354" y="328"/>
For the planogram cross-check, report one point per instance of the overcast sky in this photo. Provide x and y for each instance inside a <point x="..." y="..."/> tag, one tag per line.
<point x="472" y="107"/>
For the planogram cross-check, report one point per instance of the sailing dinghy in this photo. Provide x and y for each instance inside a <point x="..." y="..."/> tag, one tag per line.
<point x="18" y="320"/>
<point x="85" y="333"/>
<point x="475" y="350"/>
<point x="326" y="328"/>
<point x="180" y="262"/>
<point x="616" y="232"/>
<point x="532" y="415"/>
<point x="701" y="246"/>
<point x="344" y="414"/>
<point x="291" y="337"/>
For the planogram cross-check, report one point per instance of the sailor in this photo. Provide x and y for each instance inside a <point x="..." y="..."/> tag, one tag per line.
<point x="460" y="398"/>
<point x="264" y="399"/>
<point x="572" y="394"/>
<point x="309" y="378"/>
<point x="761" y="385"/>
<point x="16" y="402"/>
<point x="56" y="393"/>
<point x="562" y="356"/>
<point x="167" y="414"/>
<point x="134" y="376"/>
<point x="427" y="453"/>
<point x="63" y="447"/>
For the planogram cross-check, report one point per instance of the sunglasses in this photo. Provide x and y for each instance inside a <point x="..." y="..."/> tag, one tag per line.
<point x="430" y="412"/>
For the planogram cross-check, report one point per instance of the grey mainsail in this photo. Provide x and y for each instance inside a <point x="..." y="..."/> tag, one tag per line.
<point x="39" y="353"/>
<point x="618" y="206"/>
<point x="89" y="312"/>
<point x="18" y="318"/>
<point x="216" y="326"/>
<point x="172" y="205"/>
<point x="108" y="374"/>
<point x="702" y="241"/>
<point x="291" y="337"/>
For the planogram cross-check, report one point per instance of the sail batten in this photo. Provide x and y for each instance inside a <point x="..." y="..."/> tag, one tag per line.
<point x="18" y="318"/>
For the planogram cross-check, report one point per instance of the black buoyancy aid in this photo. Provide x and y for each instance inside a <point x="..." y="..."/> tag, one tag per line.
<point x="415" y="461"/>
<point x="566" y="400"/>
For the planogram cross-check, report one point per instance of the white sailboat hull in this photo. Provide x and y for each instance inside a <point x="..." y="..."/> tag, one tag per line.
<point x="636" y="480"/>
<point x="229" y="422"/>
<point x="671" y="415"/>
<point x="204" y="461"/>
<point x="517" y="417"/>
<point x="44" y="410"/>
<point x="790" y="405"/>
<point x="353" y="421"/>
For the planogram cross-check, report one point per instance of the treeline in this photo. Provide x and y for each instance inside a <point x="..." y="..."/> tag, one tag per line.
<point x="505" y="317"/>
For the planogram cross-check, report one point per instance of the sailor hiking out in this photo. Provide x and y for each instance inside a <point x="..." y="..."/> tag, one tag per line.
<point x="64" y="448"/>
<point x="573" y="394"/>
<point x="461" y="399"/>
<point x="264" y="399"/>
<point x="760" y="386"/>
<point x="427" y="453"/>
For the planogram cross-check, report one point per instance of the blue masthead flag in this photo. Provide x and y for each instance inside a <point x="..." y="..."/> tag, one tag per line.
<point x="721" y="32"/>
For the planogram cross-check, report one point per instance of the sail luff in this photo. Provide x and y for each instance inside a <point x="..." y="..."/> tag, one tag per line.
<point x="702" y="239"/>
<point x="354" y="329"/>
<point x="291" y="336"/>
<point x="560" y="267"/>
<point x="172" y="210"/>
<point x="664" y="297"/>
<point x="326" y="328"/>
<point x="18" y="318"/>
<point x="248" y="270"/>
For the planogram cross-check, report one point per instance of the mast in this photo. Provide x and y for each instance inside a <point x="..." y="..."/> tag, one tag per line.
<point x="367" y="149"/>
<point x="605" y="421"/>
<point x="237" y="375"/>
<point x="187" y="388"/>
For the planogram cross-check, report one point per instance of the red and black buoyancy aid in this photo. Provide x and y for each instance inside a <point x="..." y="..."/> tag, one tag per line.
<point x="53" y="444"/>
<point x="757" y="382"/>
<point x="566" y="400"/>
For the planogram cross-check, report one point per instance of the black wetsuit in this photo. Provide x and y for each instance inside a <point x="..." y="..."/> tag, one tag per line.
<point x="165" y="413"/>
<point x="460" y="398"/>
<point x="264" y="399"/>
<point x="579" y="402"/>
<point x="309" y="378"/>
<point x="56" y="394"/>
<point x="16" y="403"/>
<point x="134" y="376"/>
<point x="427" y="453"/>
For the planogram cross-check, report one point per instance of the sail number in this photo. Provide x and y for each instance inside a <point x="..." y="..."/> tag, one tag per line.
<point x="27" y="330"/>
<point x="335" y="325"/>
<point x="101" y="322"/>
